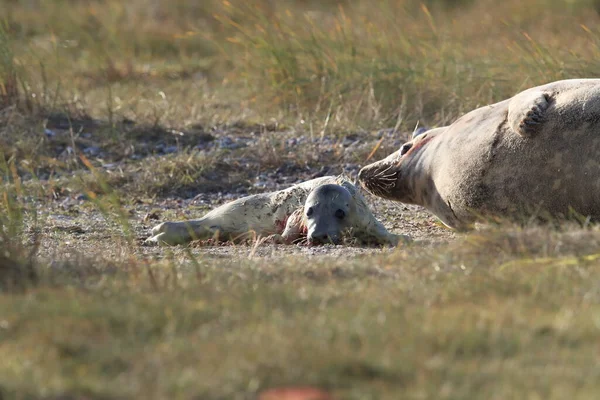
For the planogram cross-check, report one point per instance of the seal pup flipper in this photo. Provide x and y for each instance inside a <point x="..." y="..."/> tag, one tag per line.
<point x="174" y="233"/>
<point x="369" y="230"/>
<point x="526" y="112"/>
<point x="366" y="228"/>
<point x="375" y="233"/>
<point x="295" y="227"/>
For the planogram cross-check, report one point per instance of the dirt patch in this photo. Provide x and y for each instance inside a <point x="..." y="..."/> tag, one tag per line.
<point x="77" y="228"/>
<point x="177" y="174"/>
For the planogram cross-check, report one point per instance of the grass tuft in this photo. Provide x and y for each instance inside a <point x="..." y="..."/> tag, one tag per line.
<point x="9" y="84"/>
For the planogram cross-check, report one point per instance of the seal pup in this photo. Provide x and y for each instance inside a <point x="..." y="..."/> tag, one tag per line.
<point x="536" y="155"/>
<point x="322" y="210"/>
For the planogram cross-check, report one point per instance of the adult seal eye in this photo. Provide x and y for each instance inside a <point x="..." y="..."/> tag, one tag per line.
<point x="340" y="214"/>
<point x="309" y="212"/>
<point x="405" y="148"/>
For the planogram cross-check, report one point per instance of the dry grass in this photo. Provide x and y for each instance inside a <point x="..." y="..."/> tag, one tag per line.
<point x="87" y="312"/>
<point x="487" y="317"/>
<point x="334" y="65"/>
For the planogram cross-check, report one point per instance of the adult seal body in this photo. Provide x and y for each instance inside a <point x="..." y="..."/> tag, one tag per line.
<point x="536" y="154"/>
<point x="322" y="210"/>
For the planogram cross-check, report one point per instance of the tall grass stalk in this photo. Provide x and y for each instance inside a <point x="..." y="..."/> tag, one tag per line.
<point x="361" y="60"/>
<point x="17" y="263"/>
<point x="9" y="84"/>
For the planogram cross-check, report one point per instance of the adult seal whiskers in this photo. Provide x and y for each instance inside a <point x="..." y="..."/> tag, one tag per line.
<point x="536" y="154"/>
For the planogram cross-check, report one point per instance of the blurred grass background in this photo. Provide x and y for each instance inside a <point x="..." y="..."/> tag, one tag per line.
<point x="350" y="63"/>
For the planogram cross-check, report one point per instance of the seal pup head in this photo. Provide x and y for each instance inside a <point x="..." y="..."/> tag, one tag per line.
<point x="326" y="212"/>
<point x="395" y="177"/>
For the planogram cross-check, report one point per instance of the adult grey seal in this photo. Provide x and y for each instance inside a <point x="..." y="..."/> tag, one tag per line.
<point x="322" y="210"/>
<point x="536" y="154"/>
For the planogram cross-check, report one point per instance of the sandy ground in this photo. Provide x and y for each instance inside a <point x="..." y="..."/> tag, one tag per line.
<point x="73" y="226"/>
<point x="82" y="231"/>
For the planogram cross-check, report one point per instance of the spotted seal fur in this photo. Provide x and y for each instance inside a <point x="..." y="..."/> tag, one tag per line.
<point x="321" y="210"/>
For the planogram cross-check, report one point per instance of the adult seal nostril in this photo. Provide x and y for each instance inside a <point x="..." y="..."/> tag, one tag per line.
<point x="534" y="155"/>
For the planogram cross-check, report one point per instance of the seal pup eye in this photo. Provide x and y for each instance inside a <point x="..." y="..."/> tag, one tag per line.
<point x="340" y="214"/>
<point x="405" y="148"/>
<point x="309" y="212"/>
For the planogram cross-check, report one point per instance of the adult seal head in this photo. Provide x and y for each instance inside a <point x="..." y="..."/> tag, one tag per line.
<point x="536" y="154"/>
